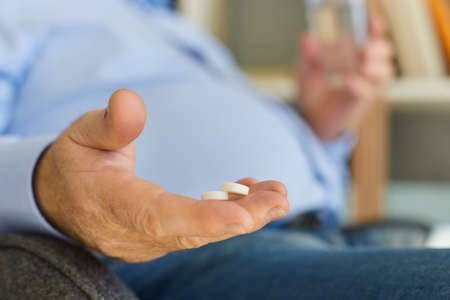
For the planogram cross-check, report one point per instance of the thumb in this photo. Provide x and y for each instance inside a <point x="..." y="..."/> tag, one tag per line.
<point x="114" y="127"/>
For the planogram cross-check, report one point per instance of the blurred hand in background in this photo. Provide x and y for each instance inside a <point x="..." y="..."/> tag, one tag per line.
<point x="329" y="109"/>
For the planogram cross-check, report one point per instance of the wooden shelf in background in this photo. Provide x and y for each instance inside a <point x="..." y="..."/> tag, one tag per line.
<point x="274" y="81"/>
<point x="369" y="165"/>
<point x="418" y="93"/>
<point x="406" y="93"/>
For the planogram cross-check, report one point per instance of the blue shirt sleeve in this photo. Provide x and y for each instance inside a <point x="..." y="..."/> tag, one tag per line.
<point x="18" y="209"/>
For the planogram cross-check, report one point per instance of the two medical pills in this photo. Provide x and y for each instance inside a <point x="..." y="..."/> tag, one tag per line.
<point x="227" y="188"/>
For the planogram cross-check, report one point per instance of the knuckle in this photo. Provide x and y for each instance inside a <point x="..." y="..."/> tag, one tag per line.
<point x="277" y="187"/>
<point x="187" y="242"/>
<point x="245" y="222"/>
<point x="148" y="223"/>
<point x="216" y="222"/>
<point x="182" y="242"/>
<point x="285" y="205"/>
<point x="274" y="199"/>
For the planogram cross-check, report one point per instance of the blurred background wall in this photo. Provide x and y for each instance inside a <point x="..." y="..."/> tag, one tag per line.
<point x="263" y="32"/>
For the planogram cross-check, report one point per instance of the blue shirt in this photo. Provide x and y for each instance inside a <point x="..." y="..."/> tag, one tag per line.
<point x="206" y="125"/>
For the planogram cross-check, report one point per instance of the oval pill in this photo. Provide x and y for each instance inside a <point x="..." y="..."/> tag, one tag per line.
<point x="235" y="188"/>
<point x="215" y="195"/>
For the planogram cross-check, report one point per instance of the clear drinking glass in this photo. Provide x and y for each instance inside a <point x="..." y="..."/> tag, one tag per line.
<point x="341" y="28"/>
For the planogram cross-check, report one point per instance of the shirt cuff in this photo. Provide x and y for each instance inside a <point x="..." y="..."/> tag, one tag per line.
<point x="18" y="209"/>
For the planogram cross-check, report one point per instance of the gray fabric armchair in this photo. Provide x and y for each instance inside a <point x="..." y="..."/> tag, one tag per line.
<point x="38" y="267"/>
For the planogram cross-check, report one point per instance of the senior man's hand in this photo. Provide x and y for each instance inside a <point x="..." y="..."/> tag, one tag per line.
<point x="86" y="187"/>
<point x="331" y="110"/>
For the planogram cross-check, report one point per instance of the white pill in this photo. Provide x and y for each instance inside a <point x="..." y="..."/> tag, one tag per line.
<point x="215" y="195"/>
<point x="235" y="188"/>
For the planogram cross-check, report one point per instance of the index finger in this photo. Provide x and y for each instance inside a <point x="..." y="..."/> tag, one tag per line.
<point x="190" y="217"/>
<point x="310" y="50"/>
<point x="377" y="27"/>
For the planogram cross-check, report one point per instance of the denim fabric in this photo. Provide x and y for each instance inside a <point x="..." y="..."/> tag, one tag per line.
<point x="274" y="264"/>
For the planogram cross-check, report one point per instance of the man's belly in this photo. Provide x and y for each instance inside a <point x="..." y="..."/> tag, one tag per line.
<point x="199" y="135"/>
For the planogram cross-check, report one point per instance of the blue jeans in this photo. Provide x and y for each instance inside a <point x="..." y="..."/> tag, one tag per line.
<point x="284" y="264"/>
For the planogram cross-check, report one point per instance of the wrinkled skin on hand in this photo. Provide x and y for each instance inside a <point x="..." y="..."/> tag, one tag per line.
<point x="85" y="186"/>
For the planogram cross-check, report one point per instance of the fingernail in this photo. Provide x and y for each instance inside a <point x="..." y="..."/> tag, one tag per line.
<point x="276" y="213"/>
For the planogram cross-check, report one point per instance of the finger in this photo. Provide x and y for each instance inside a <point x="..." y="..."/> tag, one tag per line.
<point x="111" y="128"/>
<point x="266" y="203"/>
<point x="205" y="218"/>
<point x="245" y="181"/>
<point x="378" y="72"/>
<point x="154" y="212"/>
<point x="270" y="185"/>
<point x="310" y="51"/>
<point x="313" y="86"/>
<point x="358" y="88"/>
<point x="174" y="222"/>
<point x="311" y="74"/>
<point x="379" y="50"/>
<point x="248" y="181"/>
<point x="377" y="27"/>
<point x="149" y="209"/>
